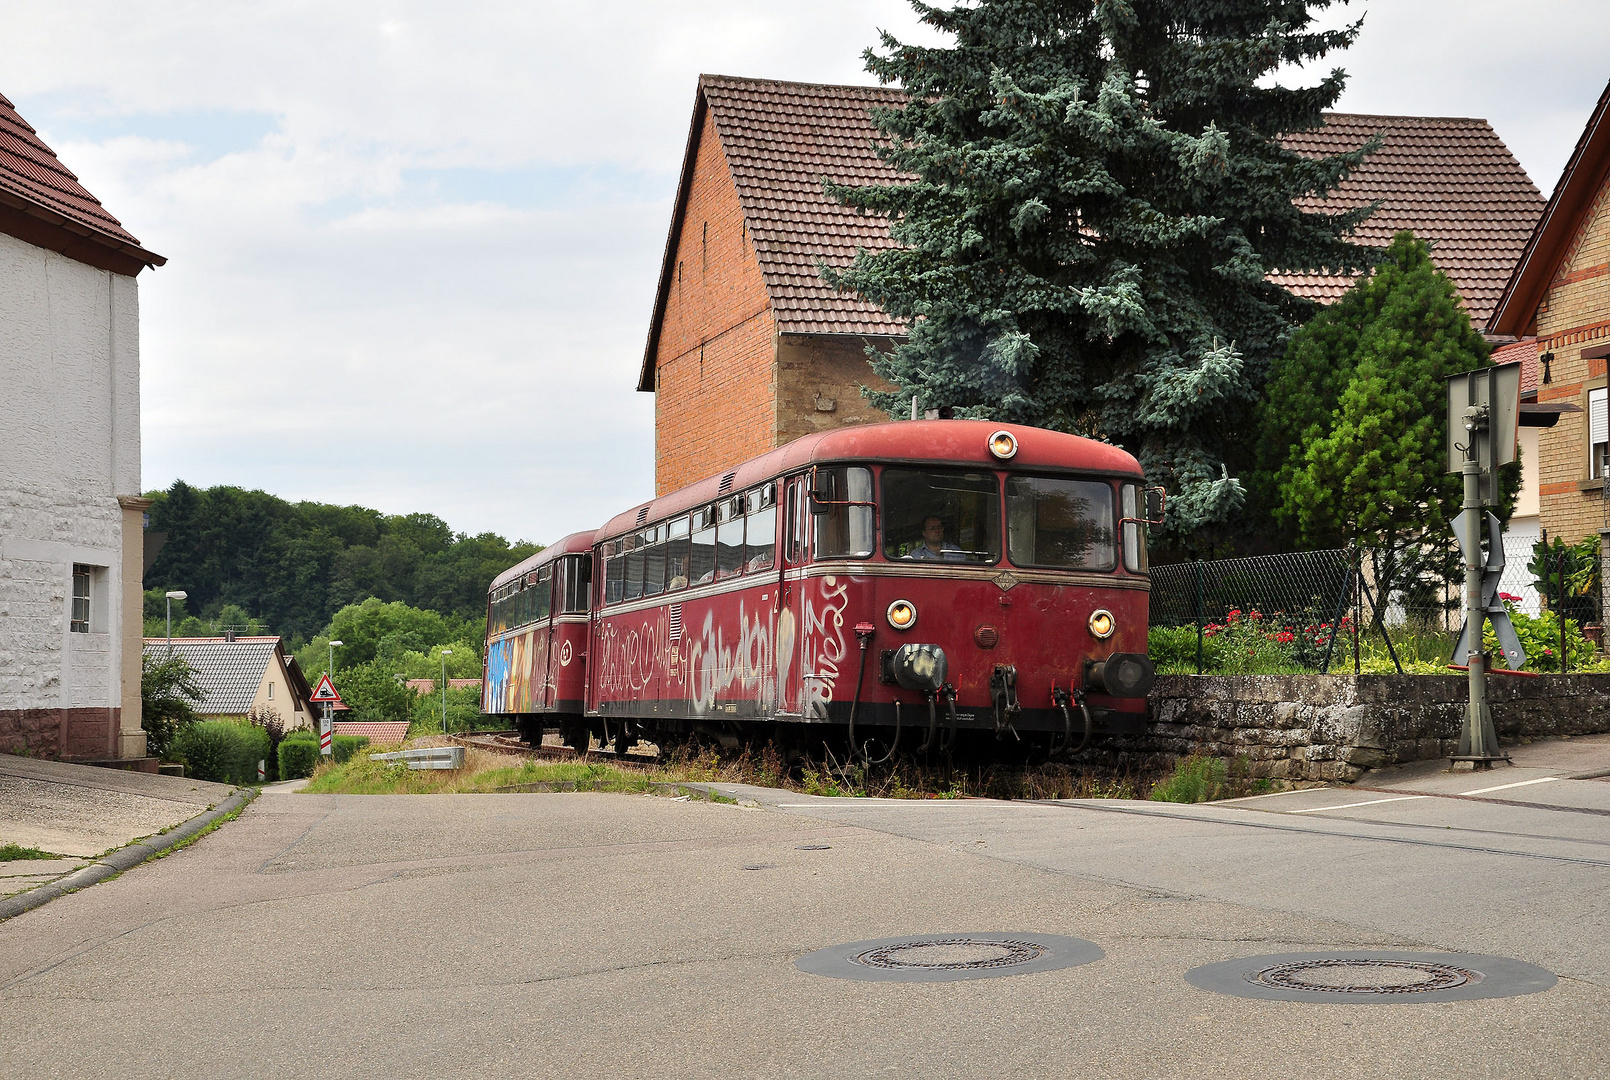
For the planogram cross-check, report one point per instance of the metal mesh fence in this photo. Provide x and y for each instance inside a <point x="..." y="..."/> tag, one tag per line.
<point x="1326" y="610"/>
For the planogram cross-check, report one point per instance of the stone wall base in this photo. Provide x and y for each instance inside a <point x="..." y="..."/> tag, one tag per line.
<point x="1336" y="727"/>
<point x="80" y="734"/>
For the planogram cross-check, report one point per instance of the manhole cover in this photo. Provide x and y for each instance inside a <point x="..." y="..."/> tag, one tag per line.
<point x="1372" y="977"/>
<point x="949" y="957"/>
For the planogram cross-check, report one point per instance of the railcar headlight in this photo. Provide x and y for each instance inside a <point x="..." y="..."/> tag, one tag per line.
<point x="1102" y="624"/>
<point x="902" y="615"/>
<point x="1003" y="444"/>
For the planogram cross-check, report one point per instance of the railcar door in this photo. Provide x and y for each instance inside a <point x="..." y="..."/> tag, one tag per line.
<point x="790" y="591"/>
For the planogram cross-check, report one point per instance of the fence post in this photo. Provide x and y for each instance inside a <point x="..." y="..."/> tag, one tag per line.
<point x="1358" y="604"/>
<point x="1199" y="616"/>
<point x="1565" y="657"/>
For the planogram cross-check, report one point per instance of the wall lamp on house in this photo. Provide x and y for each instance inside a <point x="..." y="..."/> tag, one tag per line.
<point x="1546" y="359"/>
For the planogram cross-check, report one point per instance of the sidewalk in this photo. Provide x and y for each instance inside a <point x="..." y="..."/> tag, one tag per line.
<point x="81" y="811"/>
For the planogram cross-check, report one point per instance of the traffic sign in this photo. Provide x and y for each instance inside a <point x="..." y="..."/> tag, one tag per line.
<point x="326" y="691"/>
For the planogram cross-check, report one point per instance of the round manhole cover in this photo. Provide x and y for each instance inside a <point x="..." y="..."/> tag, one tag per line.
<point x="949" y="957"/>
<point x="1372" y="977"/>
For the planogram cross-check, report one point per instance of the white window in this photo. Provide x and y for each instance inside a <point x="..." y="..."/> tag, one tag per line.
<point x="1598" y="432"/>
<point x="271" y="691"/>
<point x="82" y="577"/>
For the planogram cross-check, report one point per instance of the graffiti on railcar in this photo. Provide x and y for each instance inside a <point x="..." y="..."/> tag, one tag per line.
<point x="517" y="673"/>
<point x="630" y="654"/>
<point x="824" y="645"/>
<point x="742" y="667"/>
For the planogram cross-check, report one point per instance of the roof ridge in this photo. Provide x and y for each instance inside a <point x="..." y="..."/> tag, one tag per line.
<point x="753" y="80"/>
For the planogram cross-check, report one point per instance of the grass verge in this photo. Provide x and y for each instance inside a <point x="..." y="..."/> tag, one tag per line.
<point x="16" y="852"/>
<point x="1198" y="778"/>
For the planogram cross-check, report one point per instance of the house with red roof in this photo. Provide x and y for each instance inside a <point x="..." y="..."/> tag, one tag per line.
<point x="71" y="515"/>
<point x="1556" y="305"/>
<point x="748" y="348"/>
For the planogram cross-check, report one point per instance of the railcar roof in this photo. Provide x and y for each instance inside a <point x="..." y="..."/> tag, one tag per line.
<point x="925" y="441"/>
<point x="575" y="543"/>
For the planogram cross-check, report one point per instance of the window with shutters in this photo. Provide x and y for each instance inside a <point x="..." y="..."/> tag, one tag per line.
<point x="1598" y="432"/>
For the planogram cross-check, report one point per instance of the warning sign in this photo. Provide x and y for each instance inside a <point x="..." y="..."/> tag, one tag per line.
<point x="326" y="691"/>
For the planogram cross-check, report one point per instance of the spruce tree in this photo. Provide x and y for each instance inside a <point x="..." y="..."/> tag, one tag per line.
<point x="1099" y="196"/>
<point x="1355" y="428"/>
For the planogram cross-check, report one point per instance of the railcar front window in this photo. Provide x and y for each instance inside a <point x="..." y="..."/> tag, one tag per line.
<point x="845" y="527"/>
<point x="575" y="575"/>
<point x="1063" y="524"/>
<point x="931" y="515"/>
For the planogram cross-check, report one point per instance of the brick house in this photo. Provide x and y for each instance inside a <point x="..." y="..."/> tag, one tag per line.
<point x="748" y="348"/>
<point x="1557" y="303"/>
<point x="71" y="515"/>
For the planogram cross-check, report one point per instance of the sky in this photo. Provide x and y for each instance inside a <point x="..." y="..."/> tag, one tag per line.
<point x="413" y="247"/>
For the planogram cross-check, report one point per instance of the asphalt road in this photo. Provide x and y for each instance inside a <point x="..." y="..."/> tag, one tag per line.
<point x="594" y="935"/>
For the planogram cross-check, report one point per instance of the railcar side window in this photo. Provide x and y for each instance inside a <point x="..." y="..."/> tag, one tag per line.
<point x="634" y="566"/>
<point x="1066" y="524"/>
<point x="1134" y="531"/>
<point x="702" y="566"/>
<point x="760" y="547"/>
<point x="542" y="594"/>
<point x="654" y="562"/>
<point x="676" y="555"/>
<point x="846" y="528"/>
<point x="730" y="538"/>
<point x="614" y="572"/>
<point x="931" y="515"/>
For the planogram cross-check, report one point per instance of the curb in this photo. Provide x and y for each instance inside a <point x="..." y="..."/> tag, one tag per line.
<point x="124" y="858"/>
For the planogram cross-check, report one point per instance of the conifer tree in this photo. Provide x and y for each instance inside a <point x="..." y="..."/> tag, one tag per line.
<point x="1355" y="428"/>
<point x="1099" y="196"/>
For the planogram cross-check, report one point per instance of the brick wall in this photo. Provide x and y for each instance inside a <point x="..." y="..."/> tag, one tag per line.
<point x="713" y="402"/>
<point x="1574" y="318"/>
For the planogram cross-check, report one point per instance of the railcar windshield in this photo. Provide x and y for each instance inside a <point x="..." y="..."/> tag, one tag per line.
<point x="936" y="515"/>
<point x="845" y="525"/>
<point x="1059" y="523"/>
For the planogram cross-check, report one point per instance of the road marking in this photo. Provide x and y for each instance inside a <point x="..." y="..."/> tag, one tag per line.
<point x="1506" y="787"/>
<point x="1349" y="806"/>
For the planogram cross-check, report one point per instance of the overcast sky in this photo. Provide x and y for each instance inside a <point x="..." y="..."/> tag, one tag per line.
<point x="413" y="246"/>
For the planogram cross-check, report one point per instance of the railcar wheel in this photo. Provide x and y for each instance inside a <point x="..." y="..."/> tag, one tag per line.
<point x="577" y="738"/>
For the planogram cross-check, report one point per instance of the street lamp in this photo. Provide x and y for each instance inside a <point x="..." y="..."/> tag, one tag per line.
<point x="330" y="667"/>
<point x="178" y="594"/>
<point x="445" y="654"/>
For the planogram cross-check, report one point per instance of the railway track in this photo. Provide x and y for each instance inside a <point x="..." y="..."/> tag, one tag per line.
<point x="507" y="742"/>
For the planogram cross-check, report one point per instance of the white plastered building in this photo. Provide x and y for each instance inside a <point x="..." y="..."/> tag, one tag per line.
<point x="71" y="515"/>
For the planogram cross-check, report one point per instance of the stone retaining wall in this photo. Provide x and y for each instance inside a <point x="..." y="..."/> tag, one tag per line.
<point x="1335" y="727"/>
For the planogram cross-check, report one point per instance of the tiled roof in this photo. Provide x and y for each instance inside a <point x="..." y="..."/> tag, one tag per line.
<point x="1526" y="353"/>
<point x="228" y="672"/>
<point x="782" y="140"/>
<point x="380" y="731"/>
<point x="1451" y="180"/>
<point x="31" y="172"/>
<point x="428" y="686"/>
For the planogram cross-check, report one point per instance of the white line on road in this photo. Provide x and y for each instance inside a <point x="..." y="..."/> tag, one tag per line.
<point x="1349" y="806"/>
<point x="1506" y="787"/>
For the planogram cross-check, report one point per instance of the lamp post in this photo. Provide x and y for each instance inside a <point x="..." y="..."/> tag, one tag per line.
<point x="445" y="654"/>
<point x="177" y="594"/>
<point x="330" y="667"/>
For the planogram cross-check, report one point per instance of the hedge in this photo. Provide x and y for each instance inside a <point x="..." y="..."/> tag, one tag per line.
<point x="297" y="758"/>
<point x="221" y="751"/>
<point x="345" y="746"/>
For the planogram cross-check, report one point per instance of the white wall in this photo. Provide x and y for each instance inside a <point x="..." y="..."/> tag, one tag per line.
<point x="69" y="446"/>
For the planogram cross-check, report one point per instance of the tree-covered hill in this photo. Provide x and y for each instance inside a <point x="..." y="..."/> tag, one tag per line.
<point x="294" y="565"/>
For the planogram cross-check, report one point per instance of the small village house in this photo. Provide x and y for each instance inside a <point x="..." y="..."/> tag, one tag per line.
<point x="71" y="515"/>
<point x="240" y="674"/>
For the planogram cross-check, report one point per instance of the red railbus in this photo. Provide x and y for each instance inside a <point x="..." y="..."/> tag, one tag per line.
<point x="901" y="584"/>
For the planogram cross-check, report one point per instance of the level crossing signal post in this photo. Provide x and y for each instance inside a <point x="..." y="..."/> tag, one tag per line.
<point x="1483" y="417"/>
<point x="325" y="695"/>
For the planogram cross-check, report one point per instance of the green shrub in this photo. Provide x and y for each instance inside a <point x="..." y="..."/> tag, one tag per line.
<point x="302" y="735"/>
<point x="1173" y="650"/>
<point x="344" y="746"/>
<point x="1539" y="635"/>
<point x="297" y="758"/>
<point x="1194" y="779"/>
<point x="221" y="751"/>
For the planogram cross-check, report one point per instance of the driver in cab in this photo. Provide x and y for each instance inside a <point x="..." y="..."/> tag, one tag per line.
<point x="934" y="546"/>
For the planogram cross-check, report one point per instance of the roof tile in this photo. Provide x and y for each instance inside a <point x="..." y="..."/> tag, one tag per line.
<point x="228" y="672"/>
